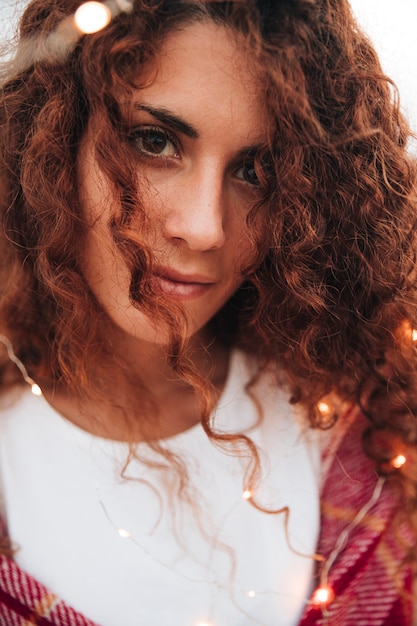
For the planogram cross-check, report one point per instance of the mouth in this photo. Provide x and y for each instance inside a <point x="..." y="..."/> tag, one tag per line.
<point x="181" y="286"/>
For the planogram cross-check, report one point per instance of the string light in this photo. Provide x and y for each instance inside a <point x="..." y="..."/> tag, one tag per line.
<point x="36" y="390"/>
<point x="323" y="596"/>
<point x="398" y="461"/>
<point x="407" y="331"/>
<point x="324" y="408"/>
<point x="92" y="16"/>
<point x="328" y="410"/>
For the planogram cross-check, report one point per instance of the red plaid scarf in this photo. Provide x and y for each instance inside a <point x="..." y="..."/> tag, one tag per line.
<point x="368" y="591"/>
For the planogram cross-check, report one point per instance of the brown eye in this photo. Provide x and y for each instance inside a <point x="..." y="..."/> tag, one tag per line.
<point x="154" y="142"/>
<point x="247" y="173"/>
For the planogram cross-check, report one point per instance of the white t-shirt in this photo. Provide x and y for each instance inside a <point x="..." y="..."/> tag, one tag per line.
<point x="213" y="559"/>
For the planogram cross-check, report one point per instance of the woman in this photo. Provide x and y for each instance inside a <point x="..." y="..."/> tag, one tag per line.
<point x="208" y="248"/>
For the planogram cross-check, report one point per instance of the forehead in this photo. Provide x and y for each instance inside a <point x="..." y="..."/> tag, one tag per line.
<point x="204" y="71"/>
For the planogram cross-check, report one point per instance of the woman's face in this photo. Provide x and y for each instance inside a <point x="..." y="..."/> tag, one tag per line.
<point x="194" y="129"/>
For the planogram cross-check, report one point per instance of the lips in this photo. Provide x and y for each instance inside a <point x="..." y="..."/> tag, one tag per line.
<point x="181" y="286"/>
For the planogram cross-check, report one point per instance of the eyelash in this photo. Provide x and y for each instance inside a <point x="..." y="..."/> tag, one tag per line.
<point x="249" y="164"/>
<point x="144" y="132"/>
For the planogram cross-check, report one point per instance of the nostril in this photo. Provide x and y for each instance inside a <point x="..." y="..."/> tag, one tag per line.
<point x="203" y="229"/>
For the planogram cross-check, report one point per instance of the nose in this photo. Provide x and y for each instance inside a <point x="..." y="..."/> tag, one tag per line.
<point x="196" y="210"/>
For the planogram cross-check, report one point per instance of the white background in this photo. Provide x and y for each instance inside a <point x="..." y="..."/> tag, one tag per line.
<point x="392" y="27"/>
<point x="390" y="24"/>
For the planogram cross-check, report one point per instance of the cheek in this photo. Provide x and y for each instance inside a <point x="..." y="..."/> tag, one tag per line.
<point x="104" y="270"/>
<point x="244" y="243"/>
<point x="99" y="259"/>
<point x="96" y="196"/>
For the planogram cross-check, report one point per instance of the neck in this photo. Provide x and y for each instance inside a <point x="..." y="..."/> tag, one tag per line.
<point x="143" y="397"/>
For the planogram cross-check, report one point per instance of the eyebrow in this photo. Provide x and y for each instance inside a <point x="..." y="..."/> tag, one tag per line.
<point x="166" y="117"/>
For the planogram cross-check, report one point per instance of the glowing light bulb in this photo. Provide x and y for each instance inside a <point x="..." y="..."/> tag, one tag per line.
<point x="246" y="495"/>
<point x="204" y="622"/>
<point x="324" y="408"/>
<point x="251" y="593"/>
<point x="92" y="16"/>
<point x="398" y="461"/>
<point x="414" y="334"/>
<point x="125" y="534"/>
<point x="323" y="595"/>
<point x="36" y="390"/>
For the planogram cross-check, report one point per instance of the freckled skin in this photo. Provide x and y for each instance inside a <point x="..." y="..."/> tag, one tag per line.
<point x="199" y="192"/>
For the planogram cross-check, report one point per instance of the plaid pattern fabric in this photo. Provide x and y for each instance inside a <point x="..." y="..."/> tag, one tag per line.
<point x="368" y="590"/>
<point x="24" y="602"/>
